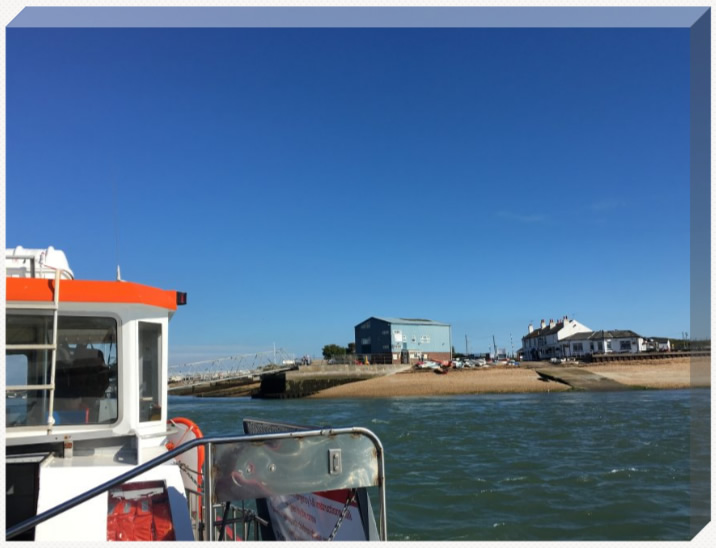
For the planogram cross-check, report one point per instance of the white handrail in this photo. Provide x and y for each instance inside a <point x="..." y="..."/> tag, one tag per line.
<point x="53" y="368"/>
<point x="52" y="347"/>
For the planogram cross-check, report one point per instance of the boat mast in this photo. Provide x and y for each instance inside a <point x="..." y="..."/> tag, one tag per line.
<point x="116" y="226"/>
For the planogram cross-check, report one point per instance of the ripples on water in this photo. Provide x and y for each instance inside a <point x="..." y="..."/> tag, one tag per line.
<point x="554" y="466"/>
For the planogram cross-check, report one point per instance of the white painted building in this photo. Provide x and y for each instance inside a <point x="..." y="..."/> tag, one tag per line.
<point x="605" y="342"/>
<point x="549" y="340"/>
<point x="660" y="344"/>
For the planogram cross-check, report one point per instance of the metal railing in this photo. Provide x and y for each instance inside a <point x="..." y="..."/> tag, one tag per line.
<point x="209" y="521"/>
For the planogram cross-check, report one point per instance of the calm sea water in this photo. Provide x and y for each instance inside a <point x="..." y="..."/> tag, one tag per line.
<point x="556" y="466"/>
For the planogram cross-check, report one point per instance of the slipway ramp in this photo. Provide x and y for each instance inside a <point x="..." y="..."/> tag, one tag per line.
<point x="580" y="379"/>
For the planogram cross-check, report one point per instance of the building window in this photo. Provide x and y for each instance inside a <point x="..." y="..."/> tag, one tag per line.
<point x="609" y="345"/>
<point x="365" y="340"/>
<point x="366" y="325"/>
<point x="624" y="345"/>
<point x="425" y="339"/>
<point x="578" y="347"/>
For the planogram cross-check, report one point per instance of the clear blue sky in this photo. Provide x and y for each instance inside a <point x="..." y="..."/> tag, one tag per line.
<point x="297" y="181"/>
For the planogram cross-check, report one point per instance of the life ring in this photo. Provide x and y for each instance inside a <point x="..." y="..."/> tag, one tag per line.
<point x="191" y="427"/>
<point x="187" y="430"/>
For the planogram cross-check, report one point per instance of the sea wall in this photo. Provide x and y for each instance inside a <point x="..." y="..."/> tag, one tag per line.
<point x="218" y="388"/>
<point x="641" y="356"/>
<point x="314" y="378"/>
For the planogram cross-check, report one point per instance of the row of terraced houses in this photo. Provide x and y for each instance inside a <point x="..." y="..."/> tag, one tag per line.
<point x="567" y="338"/>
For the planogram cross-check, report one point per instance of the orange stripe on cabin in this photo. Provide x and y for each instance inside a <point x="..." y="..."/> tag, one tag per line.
<point x="82" y="291"/>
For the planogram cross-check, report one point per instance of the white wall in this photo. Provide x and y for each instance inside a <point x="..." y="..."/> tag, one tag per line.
<point x="572" y="327"/>
<point x="637" y="345"/>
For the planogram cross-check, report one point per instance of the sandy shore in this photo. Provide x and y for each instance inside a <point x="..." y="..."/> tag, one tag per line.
<point x="655" y="374"/>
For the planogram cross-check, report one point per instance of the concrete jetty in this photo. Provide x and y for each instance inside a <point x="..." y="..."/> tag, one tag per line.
<point x="314" y="378"/>
<point x="221" y="388"/>
<point x="285" y="383"/>
<point x="580" y="379"/>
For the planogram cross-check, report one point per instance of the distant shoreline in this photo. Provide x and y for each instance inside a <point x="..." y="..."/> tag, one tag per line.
<point x="675" y="373"/>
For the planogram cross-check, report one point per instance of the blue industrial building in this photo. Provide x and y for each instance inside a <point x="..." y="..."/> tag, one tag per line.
<point x="402" y="340"/>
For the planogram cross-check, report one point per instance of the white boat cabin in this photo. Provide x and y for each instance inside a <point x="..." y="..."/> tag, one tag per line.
<point x="91" y="455"/>
<point x="109" y="349"/>
<point x="86" y="370"/>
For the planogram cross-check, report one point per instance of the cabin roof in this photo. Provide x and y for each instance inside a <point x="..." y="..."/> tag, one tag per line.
<point x="83" y="291"/>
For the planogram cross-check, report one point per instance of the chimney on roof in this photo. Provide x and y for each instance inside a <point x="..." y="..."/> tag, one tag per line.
<point x="551" y="323"/>
<point x="541" y="324"/>
<point x="530" y="329"/>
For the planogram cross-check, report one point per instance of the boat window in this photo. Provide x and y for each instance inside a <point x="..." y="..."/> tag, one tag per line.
<point x="85" y="375"/>
<point x="150" y="354"/>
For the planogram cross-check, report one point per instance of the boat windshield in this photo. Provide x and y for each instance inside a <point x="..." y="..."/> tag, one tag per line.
<point x="86" y="390"/>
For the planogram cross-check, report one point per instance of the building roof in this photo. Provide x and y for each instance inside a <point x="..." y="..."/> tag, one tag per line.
<point x="406" y="321"/>
<point x="616" y="334"/>
<point x="599" y="335"/>
<point x="546" y="330"/>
